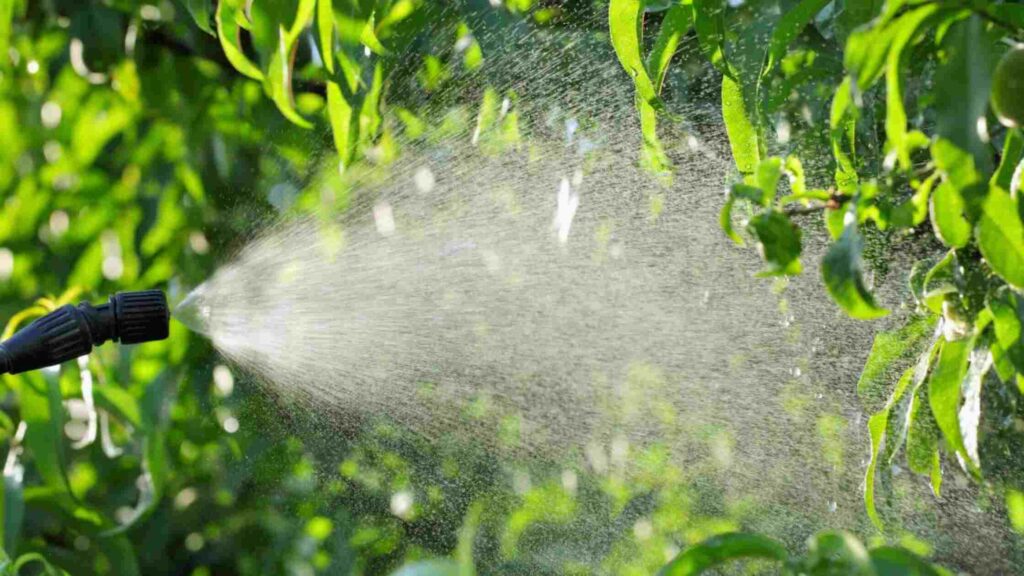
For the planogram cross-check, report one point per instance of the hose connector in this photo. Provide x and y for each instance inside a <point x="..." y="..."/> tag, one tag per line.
<point x="72" y="331"/>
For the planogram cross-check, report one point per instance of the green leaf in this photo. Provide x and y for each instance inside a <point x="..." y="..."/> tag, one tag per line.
<point x="709" y="22"/>
<point x="725" y="221"/>
<point x="674" y="26"/>
<point x="1015" y="508"/>
<point x="962" y="85"/>
<point x="653" y="156"/>
<point x="1008" y="320"/>
<point x="892" y="561"/>
<point x="940" y="281"/>
<point x="970" y="411"/>
<point x="944" y="391"/>
<point x="625" y="22"/>
<point x="325" y="32"/>
<point x="120" y="554"/>
<point x="344" y="124"/>
<point x="200" y="10"/>
<point x="740" y="191"/>
<point x="13" y="512"/>
<point x="877" y="425"/>
<point x="914" y="210"/>
<point x="6" y="16"/>
<point x="852" y="14"/>
<point x="370" y="40"/>
<point x="837" y="553"/>
<point x="467" y="536"/>
<point x="35" y="558"/>
<point x="1011" y="161"/>
<point x="778" y="242"/>
<point x="947" y="211"/>
<point x="842" y="272"/>
<point x="923" y="439"/>
<point x="227" y="31"/>
<point x="888" y="349"/>
<point x="866" y="54"/>
<point x="767" y="176"/>
<point x="42" y="410"/>
<point x="279" y="78"/>
<point x="743" y="136"/>
<point x="1000" y="235"/>
<point x="719" y="550"/>
<point x="787" y="29"/>
<point x="120" y="402"/>
<point x="905" y="29"/>
<point x="279" y="81"/>
<point x="843" y="135"/>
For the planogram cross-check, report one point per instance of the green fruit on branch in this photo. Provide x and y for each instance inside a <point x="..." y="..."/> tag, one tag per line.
<point x="1008" y="88"/>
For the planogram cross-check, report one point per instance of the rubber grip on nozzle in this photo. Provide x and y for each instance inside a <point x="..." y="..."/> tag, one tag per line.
<point x="69" y="331"/>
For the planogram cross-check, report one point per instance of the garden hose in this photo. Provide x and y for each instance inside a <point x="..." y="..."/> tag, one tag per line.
<point x="71" y="331"/>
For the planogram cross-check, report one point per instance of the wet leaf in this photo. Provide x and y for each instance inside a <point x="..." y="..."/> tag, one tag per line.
<point x="837" y="553"/>
<point x="743" y="136"/>
<point x="904" y="31"/>
<point x="709" y="22"/>
<point x="1010" y="161"/>
<point x="778" y="242"/>
<point x="877" y="425"/>
<point x="914" y="210"/>
<point x="944" y="393"/>
<point x="789" y="27"/>
<point x="947" y="211"/>
<point x="843" y="135"/>
<point x="1000" y="235"/>
<point x="893" y="561"/>
<point x="843" y="275"/>
<point x="344" y="123"/>
<point x="625" y="22"/>
<point x="722" y="549"/>
<point x="675" y="25"/>
<point x="888" y="349"/>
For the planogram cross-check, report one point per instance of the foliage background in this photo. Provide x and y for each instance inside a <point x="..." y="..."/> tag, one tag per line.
<point x="140" y="142"/>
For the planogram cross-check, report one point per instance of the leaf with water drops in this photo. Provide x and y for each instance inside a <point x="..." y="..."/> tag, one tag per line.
<point x="744" y="140"/>
<point x="720" y="550"/>
<point x="625" y="22"/>
<point x="779" y="242"/>
<point x="709" y="22"/>
<point x="843" y="275"/>
<point x="894" y="561"/>
<point x="878" y="424"/>
<point x="904" y="31"/>
<point x="793" y="22"/>
<point x="1011" y="162"/>
<point x="944" y="390"/>
<point x="1000" y="235"/>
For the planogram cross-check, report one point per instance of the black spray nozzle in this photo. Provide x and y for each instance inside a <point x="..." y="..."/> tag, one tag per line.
<point x="71" y="331"/>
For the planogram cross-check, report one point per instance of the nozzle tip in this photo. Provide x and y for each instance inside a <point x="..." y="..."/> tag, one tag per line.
<point x="142" y="316"/>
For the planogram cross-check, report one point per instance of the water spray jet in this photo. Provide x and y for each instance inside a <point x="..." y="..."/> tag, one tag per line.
<point x="72" y="331"/>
